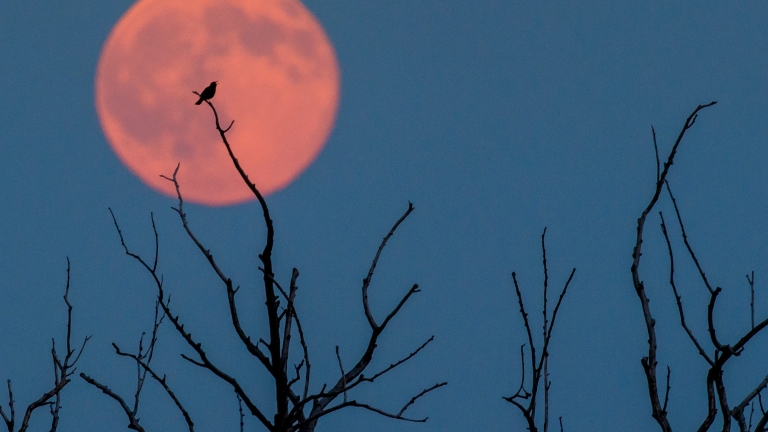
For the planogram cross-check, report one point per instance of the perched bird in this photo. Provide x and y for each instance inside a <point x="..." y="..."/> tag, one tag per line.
<point x="207" y="93"/>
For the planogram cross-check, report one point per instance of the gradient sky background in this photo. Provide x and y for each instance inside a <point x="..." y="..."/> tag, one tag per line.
<point x="496" y="119"/>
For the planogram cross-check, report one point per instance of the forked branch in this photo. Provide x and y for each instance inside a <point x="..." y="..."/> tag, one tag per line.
<point x="649" y="362"/>
<point x="539" y="365"/>
<point x="290" y="408"/>
<point x="63" y="369"/>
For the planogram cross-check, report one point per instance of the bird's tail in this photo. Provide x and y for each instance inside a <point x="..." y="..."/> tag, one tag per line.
<point x="199" y="101"/>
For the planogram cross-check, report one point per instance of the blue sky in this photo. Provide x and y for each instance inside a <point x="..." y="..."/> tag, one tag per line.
<point x="495" y="119"/>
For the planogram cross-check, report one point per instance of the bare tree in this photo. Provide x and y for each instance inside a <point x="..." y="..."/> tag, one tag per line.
<point x="63" y="369"/>
<point x="523" y="399"/>
<point x="714" y="351"/>
<point x="298" y="404"/>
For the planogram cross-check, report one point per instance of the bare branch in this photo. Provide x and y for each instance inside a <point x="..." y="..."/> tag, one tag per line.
<point x="723" y="398"/>
<point x="529" y="419"/>
<point x="666" y="392"/>
<point x="524" y="394"/>
<point x="266" y="259"/>
<point x="240" y="408"/>
<point x="525" y="321"/>
<point x="539" y="367"/>
<point x="376" y="329"/>
<point x="367" y="280"/>
<point x="207" y="364"/>
<point x="545" y="336"/>
<point x="711" y="408"/>
<point x="649" y="362"/>
<point x="685" y="239"/>
<point x="343" y="375"/>
<point x="9" y="421"/>
<point x="197" y="347"/>
<point x="760" y="426"/>
<point x="354" y="403"/>
<point x="133" y="421"/>
<point x="361" y="378"/>
<point x="414" y="289"/>
<point x="290" y="312"/>
<point x="415" y="398"/>
<point x="738" y="411"/>
<point x="678" y="298"/>
<point x="752" y="297"/>
<point x="350" y="381"/>
<point x="244" y="338"/>
<point x="656" y="150"/>
<point x="557" y="308"/>
<point x="291" y="306"/>
<point x="162" y="381"/>
<point x="276" y="356"/>
<point x="63" y="369"/>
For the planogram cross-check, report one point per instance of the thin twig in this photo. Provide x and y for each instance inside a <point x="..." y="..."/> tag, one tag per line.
<point x="532" y="348"/>
<point x="343" y="375"/>
<point x="656" y="150"/>
<point x="367" y="280"/>
<point x="685" y="239"/>
<point x="163" y="383"/>
<point x="666" y="392"/>
<point x="9" y="421"/>
<point x="678" y="298"/>
<point x="545" y="337"/>
<point x="752" y="297"/>
<point x="240" y="408"/>
<point x="63" y="369"/>
<point x="524" y="394"/>
<point x="197" y="347"/>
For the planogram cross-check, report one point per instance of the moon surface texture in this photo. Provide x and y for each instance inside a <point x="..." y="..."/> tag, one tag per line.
<point x="278" y="78"/>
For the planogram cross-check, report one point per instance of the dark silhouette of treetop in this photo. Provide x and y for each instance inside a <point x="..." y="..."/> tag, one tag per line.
<point x="298" y="403"/>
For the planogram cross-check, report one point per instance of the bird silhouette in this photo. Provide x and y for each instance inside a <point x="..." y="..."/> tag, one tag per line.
<point x="207" y="93"/>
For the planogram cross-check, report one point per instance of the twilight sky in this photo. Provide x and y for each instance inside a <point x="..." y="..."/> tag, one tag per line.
<point x="496" y="119"/>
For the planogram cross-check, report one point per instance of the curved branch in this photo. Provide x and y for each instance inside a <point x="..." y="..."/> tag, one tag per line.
<point x="525" y="321"/>
<point x="353" y="403"/>
<point x="649" y="362"/>
<point x="197" y="347"/>
<point x="163" y="384"/>
<point x="711" y="323"/>
<point x="367" y="280"/>
<point x="244" y="338"/>
<point x="685" y="239"/>
<point x="678" y="298"/>
<point x="133" y="421"/>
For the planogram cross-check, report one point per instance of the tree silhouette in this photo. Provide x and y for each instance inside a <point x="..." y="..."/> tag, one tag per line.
<point x="298" y="405"/>
<point x="63" y="369"/>
<point x="718" y="354"/>
<point x="538" y="364"/>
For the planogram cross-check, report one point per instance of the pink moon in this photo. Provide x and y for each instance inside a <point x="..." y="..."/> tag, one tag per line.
<point x="278" y="78"/>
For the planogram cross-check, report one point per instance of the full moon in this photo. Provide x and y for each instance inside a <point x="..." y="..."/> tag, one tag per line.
<point x="278" y="78"/>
